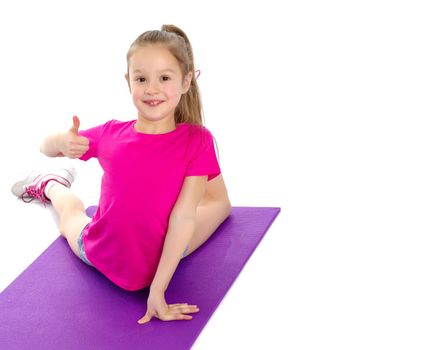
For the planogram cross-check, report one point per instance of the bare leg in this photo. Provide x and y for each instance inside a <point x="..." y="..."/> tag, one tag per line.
<point x="71" y="213"/>
<point x="209" y="216"/>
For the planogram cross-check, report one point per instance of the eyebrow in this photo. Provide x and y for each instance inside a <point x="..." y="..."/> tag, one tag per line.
<point x="161" y="71"/>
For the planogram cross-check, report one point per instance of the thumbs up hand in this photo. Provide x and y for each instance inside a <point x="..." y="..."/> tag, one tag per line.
<point x="72" y="145"/>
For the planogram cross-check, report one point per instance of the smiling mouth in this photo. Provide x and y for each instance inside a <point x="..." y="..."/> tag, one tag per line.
<point x="153" y="102"/>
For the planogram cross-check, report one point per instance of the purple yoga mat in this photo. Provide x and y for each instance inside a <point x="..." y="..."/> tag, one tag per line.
<point x="59" y="302"/>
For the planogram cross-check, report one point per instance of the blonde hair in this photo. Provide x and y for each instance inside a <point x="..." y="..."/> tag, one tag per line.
<point x="189" y="109"/>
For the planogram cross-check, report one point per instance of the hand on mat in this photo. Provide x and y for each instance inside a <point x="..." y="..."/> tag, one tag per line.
<point x="157" y="307"/>
<point x="72" y="145"/>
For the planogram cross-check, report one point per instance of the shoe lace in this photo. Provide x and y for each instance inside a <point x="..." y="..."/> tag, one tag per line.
<point x="36" y="191"/>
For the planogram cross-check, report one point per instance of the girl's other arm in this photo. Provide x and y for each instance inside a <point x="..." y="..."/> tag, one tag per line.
<point x="179" y="233"/>
<point x="180" y="230"/>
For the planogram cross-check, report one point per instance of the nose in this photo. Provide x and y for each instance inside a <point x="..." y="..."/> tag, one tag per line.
<point x="151" y="88"/>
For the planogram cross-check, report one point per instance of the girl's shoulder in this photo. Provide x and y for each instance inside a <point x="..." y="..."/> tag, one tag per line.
<point x="113" y="122"/>
<point x="115" y="125"/>
<point x="201" y="130"/>
<point x="199" y="134"/>
<point x="119" y="123"/>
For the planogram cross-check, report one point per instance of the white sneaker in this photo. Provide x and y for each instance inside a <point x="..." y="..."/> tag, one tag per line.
<point x="32" y="185"/>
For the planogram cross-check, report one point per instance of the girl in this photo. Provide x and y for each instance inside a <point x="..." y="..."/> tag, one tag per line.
<point x="162" y="192"/>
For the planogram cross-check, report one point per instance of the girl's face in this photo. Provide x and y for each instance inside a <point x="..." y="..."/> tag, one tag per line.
<point x="156" y="83"/>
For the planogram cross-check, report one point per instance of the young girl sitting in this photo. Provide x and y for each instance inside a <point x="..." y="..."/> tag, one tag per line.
<point x="162" y="192"/>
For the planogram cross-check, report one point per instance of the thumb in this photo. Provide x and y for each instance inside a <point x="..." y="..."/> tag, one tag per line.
<point x="146" y="318"/>
<point x="76" y="123"/>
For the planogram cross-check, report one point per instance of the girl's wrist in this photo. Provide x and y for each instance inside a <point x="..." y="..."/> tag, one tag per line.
<point x="59" y="138"/>
<point x="156" y="289"/>
<point x="59" y="144"/>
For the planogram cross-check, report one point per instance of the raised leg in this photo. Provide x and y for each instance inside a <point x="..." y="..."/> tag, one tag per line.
<point x="71" y="213"/>
<point x="209" y="215"/>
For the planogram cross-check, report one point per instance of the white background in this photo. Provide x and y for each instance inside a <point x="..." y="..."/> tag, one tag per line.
<point x="326" y="109"/>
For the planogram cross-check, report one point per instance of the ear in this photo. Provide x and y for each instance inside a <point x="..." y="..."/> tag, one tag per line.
<point x="187" y="82"/>
<point x="127" y="79"/>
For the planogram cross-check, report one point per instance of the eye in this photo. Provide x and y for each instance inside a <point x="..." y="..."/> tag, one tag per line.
<point x="141" y="80"/>
<point x="165" y="78"/>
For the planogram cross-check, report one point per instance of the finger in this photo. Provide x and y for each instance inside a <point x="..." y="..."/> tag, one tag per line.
<point x="76" y="123"/>
<point x="79" y="148"/>
<point x="83" y="140"/>
<point x="182" y="317"/>
<point x="183" y="310"/>
<point x="72" y="155"/>
<point x="183" y="307"/>
<point x="75" y="155"/>
<point x="80" y="142"/>
<point x="175" y="317"/>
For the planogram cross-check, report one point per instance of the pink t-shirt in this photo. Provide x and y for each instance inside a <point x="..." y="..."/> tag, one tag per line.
<point x="143" y="176"/>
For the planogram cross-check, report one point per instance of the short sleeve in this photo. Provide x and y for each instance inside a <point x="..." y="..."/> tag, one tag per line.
<point x="94" y="136"/>
<point x="204" y="160"/>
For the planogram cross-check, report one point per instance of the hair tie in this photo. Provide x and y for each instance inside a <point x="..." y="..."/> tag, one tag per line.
<point x="197" y="73"/>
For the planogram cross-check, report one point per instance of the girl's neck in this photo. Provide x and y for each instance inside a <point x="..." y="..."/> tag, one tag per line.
<point x="157" y="127"/>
